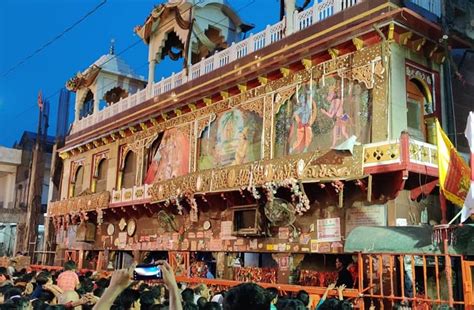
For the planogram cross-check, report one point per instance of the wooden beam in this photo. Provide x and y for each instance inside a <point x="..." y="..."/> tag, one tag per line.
<point x="207" y="101"/>
<point x="333" y="52"/>
<point x="307" y="63"/>
<point x="417" y="44"/>
<point x="439" y="57"/>
<point x="285" y="71"/>
<point x="263" y="80"/>
<point x="224" y="94"/>
<point x="433" y="51"/>
<point x="64" y="155"/>
<point x="404" y="37"/>
<point x="192" y="107"/>
<point x="358" y="43"/>
<point x="391" y="31"/>
<point x="242" y="87"/>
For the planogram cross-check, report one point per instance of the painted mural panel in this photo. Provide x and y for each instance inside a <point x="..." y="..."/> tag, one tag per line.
<point x="321" y="115"/>
<point x="171" y="159"/>
<point x="233" y="138"/>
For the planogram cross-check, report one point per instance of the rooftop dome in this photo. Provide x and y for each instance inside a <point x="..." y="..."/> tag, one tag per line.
<point x="114" y="64"/>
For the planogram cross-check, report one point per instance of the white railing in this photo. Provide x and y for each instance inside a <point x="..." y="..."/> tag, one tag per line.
<point x="433" y="6"/>
<point x="271" y="34"/>
<point x="423" y="153"/>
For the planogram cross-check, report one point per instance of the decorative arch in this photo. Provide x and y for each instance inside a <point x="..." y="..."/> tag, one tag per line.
<point x="77" y="181"/>
<point x="100" y="179"/>
<point x="87" y="104"/>
<point x="114" y="95"/>
<point x="129" y="169"/>
<point x="126" y="167"/>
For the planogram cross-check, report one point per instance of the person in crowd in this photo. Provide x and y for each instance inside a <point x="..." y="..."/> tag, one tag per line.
<point x="11" y="269"/>
<point x="201" y="290"/>
<point x="147" y="299"/>
<point x="212" y="306"/>
<point x="4" y="278"/>
<point x="304" y="297"/>
<point x="273" y="297"/>
<point x="187" y="295"/>
<point x="121" y="280"/>
<point x="248" y="296"/>
<point x="343" y="275"/>
<point x="68" y="279"/>
<point x="201" y="302"/>
<point x="291" y="304"/>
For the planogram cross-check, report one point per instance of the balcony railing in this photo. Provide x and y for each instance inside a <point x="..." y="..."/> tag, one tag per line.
<point x="132" y="195"/>
<point x="255" y="42"/>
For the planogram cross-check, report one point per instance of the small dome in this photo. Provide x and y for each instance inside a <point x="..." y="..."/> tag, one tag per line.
<point x="113" y="64"/>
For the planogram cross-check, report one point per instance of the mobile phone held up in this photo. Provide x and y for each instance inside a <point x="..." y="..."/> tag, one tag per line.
<point x="147" y="272"/>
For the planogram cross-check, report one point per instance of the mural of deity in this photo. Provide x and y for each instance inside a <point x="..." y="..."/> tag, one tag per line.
<point x="321" y="115"/>
<point x="233" y="138"/>
<point x="171" y="158"/>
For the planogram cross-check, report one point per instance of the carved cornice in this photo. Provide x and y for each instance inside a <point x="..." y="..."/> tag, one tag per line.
<point x="78" y="204"/>
<point x="307" y="167"/>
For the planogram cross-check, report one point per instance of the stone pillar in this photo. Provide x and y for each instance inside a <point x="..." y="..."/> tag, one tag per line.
<point x="151" y="73"/>
<point x="289" y="13"/>
<point x="77" y="108"/>
<point x="96" y="103"/>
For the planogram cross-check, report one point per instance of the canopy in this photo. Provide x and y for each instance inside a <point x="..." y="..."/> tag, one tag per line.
<point x="407" y="239"/>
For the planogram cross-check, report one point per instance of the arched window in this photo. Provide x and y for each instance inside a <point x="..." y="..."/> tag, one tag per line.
<point x="128" y="172"/>
<point x="101" y="176"/>
<point x="87" y="106"/>
<point x="78" y="182"/>
<point x="418" y="105"/>
<point x="114" y="95"/>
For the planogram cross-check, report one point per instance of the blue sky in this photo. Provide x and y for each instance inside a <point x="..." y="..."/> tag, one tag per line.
<point x="27" y="25"/>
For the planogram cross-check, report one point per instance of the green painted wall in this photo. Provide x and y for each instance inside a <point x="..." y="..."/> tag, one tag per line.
<point x="397" y="90"/>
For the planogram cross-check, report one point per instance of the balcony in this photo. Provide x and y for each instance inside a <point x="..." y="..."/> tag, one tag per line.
<point x="272" y="33"/>
<point x="401" y="154"/>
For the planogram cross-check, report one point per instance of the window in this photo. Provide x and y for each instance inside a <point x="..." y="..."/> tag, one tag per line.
<point x="78" y="181"/>
<point x="416" y="103"/>
<point x="101" y="176"/>
<point x="87" y="106"/>
<point x="128" y="172"/>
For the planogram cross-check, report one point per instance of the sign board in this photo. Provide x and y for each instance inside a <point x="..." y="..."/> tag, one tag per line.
<point x="329" y="230"/>
<point x="374" y="215"/>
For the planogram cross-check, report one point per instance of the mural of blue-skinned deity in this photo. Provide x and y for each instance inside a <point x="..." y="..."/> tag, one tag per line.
<point x="321" y="115"/>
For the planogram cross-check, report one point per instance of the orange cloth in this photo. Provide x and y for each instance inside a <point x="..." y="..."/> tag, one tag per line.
<point x="68" y="280"/>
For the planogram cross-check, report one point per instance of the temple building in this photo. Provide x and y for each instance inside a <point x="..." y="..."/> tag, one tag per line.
<point x="271" y="154"/>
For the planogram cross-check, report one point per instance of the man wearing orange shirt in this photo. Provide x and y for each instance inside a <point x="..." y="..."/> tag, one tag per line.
<point x="68" y="279"/>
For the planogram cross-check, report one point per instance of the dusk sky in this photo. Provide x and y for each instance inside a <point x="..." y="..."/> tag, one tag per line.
<point x="25" y="26"/>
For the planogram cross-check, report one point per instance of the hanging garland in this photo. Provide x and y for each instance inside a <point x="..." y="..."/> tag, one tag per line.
<point x="298" y="195"/>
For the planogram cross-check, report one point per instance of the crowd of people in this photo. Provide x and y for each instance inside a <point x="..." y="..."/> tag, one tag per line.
<point x="67" y="289"/>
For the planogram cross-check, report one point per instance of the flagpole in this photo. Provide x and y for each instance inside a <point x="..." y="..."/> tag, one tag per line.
<point x="454" y="218"/>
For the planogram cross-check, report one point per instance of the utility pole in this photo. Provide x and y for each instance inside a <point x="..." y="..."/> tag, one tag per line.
<point x="36" y="182"/>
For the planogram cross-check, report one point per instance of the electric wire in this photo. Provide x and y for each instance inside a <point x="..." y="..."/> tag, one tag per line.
<point x="57" y="37"/>
<point x="135" y="43"/>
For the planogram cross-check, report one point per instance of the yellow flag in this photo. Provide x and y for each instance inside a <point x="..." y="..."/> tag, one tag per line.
<point x="454" y="173"/>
